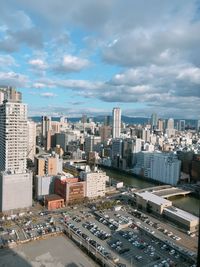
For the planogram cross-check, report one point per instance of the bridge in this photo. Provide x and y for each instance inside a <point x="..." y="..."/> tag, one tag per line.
<point x="166" y="191"/>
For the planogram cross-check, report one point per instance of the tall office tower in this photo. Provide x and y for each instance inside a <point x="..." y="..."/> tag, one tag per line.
<point x="146" y="135"/>
<point x="154" y="121"/>
<point x="15" y="180"/>
<point x="105" y="133"/>
<point x="181" y="125"/>
<point x="84" y="118"/>
<point x="46" y="128"/>
<point x="170" y="124"/>
<point x="116" y="116"/>
<point x="198" y="125"/>
<point x="31" y="147"/>
<point x="107" y="120"/>
<point x="46" y="125"/>
<point x="160" y="125"/>
<point x="170" y="131"/>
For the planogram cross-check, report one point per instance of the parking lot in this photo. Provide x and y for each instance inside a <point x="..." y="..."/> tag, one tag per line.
<point x="131" y="246"/>
<point x="125" y="237"/>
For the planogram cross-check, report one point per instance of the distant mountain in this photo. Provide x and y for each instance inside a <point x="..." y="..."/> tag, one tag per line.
<point x="125" y="119"/>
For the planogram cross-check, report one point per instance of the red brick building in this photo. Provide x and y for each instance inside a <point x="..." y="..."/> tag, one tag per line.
<point x="53" y="202"/>
<point x="70" y="189"/>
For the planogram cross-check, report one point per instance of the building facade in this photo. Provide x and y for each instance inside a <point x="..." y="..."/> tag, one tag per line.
<point x="116" y="116"/>
<point x="15" y="180"/>
<point x="95" y="183"/>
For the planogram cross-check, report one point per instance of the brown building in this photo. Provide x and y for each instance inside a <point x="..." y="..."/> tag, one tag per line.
<point x="48" y="165"/>
<point x="105" y="133"/>
<point x="71" y="189"/>
<point x="53" y="202"/>
<point x="40" y="166"/>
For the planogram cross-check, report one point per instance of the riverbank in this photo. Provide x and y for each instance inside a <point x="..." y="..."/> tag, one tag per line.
<point x="128" y="173"/>
<point x="188" y="203"/>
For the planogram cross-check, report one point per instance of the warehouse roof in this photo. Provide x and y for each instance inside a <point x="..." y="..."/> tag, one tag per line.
<point x="153" y="198"/>
<point x="182" y="214"/>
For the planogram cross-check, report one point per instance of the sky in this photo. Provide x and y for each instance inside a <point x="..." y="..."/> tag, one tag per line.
<point x="86" y="57"/>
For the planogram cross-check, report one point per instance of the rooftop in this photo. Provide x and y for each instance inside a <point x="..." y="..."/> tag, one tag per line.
<point x="181" y="213"/>
<point x="153" y="198"/>
<point x="53" y="197"/>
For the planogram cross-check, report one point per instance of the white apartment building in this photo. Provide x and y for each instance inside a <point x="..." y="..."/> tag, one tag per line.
<point x="95" y="183"/>
<point x="13" y="136"/>
<point x="165" y="167"/>
<point x="116" y="116"/>
<point x="15" y="180"/>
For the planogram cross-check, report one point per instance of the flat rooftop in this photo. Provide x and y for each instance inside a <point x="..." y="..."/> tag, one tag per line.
<point x="153" y="198"/>
<point x="56" y="251"/>
<point x="53" y="197"/>
<point x="182" y="214"/>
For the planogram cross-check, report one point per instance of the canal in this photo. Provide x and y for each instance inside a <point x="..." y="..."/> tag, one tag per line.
<point x="187" y="203"/>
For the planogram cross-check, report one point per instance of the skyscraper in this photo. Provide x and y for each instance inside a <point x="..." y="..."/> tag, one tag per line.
<point x="154" y="121"/>
<point x="170" y="124"/>
<point x="15" y="180"/>
<point x="181" y="125"/>
<point x="13" y="133"/>
<point x="31" y="145"/>
<point x="170" y="131"/>
<point x="116" y="116"/>
<point x="46" y="131"/>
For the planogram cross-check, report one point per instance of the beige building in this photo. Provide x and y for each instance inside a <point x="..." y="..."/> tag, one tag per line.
<point x="151" y="202"/>
<point x="95" y="183"/>
<point x="105" y="133"/>
<point x="185" y="219"/>
<point x="48" y="165"/>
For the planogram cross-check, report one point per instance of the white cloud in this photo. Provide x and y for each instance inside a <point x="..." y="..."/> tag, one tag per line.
<point x="38" y="63"/>
<point x="7" y="61"/>
<point x="48" y="94"/>
<point x="71" y="64"/>
<point x="13" y="79"/>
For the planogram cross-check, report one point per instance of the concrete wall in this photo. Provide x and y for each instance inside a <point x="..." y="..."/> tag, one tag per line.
<point x="16" y="191"/>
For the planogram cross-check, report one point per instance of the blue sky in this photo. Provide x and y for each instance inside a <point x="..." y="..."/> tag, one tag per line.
<point x="75" y="57"/>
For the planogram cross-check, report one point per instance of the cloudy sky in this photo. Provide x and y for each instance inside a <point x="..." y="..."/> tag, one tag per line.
<point x="73" y="57"/>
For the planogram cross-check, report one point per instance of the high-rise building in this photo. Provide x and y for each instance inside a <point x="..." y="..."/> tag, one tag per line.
<point x="15" y="180"/>
<point x="198" y="125"/>
<point x="90" y="143"/>
<point x="170" y="124"/>
<point x="46" y="128"/>
<point x="84" y="118"/>
<point x="105" y="133"/>
<point x="181" y="125"/>
<point x="154" y="121"/>
<point x="170" y="131"/>
<point x="160" y="125"/>
<point x="116" y="116"/>
<point x="31" y="148"/>
<point x="107" y="120"/>
<point x="13" y="133"/>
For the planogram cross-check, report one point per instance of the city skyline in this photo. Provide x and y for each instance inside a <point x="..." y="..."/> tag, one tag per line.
<point x="67" y="60"/>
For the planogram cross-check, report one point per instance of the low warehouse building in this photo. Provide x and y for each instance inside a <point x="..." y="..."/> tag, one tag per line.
<point x="53" y="202"/>
<point x="151" y="202"/>
<point x="182" y="218"/>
